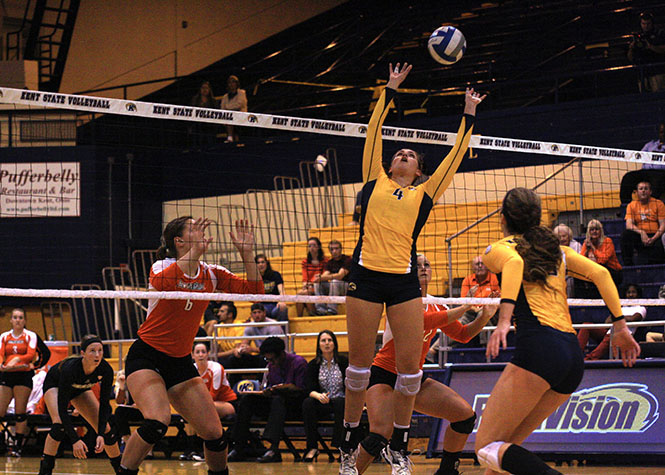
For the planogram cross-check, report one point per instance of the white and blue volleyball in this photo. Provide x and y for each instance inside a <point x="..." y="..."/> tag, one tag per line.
<point x="446" y="45"/>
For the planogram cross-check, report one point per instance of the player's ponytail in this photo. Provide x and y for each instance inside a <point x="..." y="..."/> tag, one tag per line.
<point x="537" y="245"/>
<point x="171" y="231"/>
<point x="539" y="248"/>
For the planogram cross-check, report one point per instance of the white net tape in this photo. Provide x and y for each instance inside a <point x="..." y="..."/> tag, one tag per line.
<point x="140" y="294"/>
<point x="297" y="124"/>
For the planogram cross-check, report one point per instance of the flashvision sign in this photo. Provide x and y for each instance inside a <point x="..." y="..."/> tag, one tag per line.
<point x="614" y="410"/>
<point x="609" y="408"/>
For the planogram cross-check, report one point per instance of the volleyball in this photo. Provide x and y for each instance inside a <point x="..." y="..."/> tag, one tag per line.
<point x="446" y="45"/>
<point x="320" y="163"/>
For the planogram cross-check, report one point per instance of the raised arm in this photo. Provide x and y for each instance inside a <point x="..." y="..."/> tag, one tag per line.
<point x="444" y="173"/>
<point x="373" y="151"/>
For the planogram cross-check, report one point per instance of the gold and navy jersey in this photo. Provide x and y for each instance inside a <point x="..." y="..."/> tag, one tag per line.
<point x="392" y="216"/>
<point x="536" y="304"/>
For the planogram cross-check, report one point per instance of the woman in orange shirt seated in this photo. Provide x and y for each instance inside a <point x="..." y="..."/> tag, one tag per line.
<point x="312" y="268"/>
<point x="600" y="249"/>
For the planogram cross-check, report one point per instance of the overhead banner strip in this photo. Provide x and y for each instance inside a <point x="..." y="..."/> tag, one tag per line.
<point x="298" y="124"/>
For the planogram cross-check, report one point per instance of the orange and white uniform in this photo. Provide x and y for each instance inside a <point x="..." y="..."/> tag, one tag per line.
<point x="171" y="325"/>
<point x="436" y="316"/>
<point x="24" y="345"/>
<point x="215" y="380"/>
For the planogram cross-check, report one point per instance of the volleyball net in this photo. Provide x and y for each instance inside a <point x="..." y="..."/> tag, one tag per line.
<point x="108" y="174"/>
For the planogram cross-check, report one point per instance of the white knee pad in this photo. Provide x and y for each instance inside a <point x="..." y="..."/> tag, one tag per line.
<point x="408" y="384"/>
<point x="357" y="379"/>
<point x="488" y="456"/>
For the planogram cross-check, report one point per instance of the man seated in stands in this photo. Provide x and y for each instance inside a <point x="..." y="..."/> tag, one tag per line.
<point x="334" y="279"/>
<point x="281" y="399"/>
<point x="645" y="226"/>
<point x="480" y="284"/>
<point x="240" y="354"/>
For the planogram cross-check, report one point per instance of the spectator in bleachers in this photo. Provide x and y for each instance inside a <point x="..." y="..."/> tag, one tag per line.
<point x="280" y="399"/>
<point x="324" y="384"/>
<point x="312" y="267"/>
<point x="602" y="335"/>
<point x="334" y="279"/>
<point x="234" y="100"/>
<point x="244" y="354"/>
<point x="226" y="314"/>
<point x="565" y="235"/>
<point x="648" y="46"/>
<point x="205" y="97"/>
<point x="273" y="285"/>
<point x="201" y="133"/>
<point x="656" y="145"/>
<point x="480" y="284"/>
<point x="600" y="249"/>
<point x="18" y="348"/>
<point x="645" y="227"/>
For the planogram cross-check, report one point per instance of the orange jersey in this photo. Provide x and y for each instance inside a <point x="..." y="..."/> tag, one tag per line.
<point x="24" y="345"/>
<point x="436" y="316"/>
<point x="171" y="325"/>
<point x="216" y="382"/>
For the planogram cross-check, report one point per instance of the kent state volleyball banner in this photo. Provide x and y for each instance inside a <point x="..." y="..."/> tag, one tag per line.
<point x="46" y="189"/>
<point x="614" y="410"/>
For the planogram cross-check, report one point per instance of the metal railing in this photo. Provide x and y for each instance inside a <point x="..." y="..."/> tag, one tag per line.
<point x="449" y="240"/>
<point x="443" y="350"/>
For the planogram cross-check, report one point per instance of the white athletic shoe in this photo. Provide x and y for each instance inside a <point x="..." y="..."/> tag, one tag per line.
<point x="399" y="462"/>
<point x="347" y="463"/>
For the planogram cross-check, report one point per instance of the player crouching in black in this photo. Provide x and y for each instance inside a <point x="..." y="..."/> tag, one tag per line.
<point x="71" y="380"/>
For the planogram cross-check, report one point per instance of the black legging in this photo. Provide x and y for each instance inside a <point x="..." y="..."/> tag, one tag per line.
<point x="313" y="410"/>
<point x="275" y="409"/>
<point x="632" y="241"/>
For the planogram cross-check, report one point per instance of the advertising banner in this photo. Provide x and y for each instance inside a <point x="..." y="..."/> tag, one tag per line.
<point x="614" y="410"/>
<point x="34" y="190"/>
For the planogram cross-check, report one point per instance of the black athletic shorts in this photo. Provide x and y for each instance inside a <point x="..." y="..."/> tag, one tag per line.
<point x="553" y="355"/>
<point x="16" y="378"/>
<point x="382" y="287"/>
<point x="172" y="370"/>
<point x="381" y="376"/>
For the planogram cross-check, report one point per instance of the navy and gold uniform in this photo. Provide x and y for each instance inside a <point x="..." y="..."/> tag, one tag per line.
<point x="546" y="343"/>
<point x="392" y="216"/>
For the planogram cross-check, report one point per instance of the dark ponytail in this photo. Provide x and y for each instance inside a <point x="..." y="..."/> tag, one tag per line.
<point x="540" y="250"/>
<point x="538" y="246"/>
<point x="171" y="231"/>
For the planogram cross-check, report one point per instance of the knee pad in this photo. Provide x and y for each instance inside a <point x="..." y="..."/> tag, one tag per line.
<point x="216" y="445"/>
<point x="111" y="437"/>
<point x="374" y="444"/>
<point x="21" y="417"/>
<point x="357" y="379"/>
<point x="465" y="426"/>
<point x="488" y="456"/>
<point x="408" y="384"/>
<point x="152" y="431"/>
<point x="57" y="432"/>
